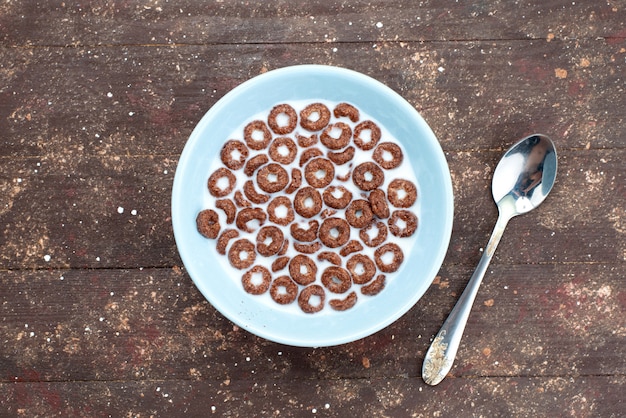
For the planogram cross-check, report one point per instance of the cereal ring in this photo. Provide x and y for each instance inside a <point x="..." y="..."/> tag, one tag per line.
<point x="319" y="172"/>
<point x="408" y="218"/>
<point x="359" y="213"/>
<point x="370" y="240"/>
<point x="252" y="132"/>
<point x="241" y="201"/>
<point x="302" y="269"/>
<point x="336" y="279"/>
<point x="402" y="193"/>
<point x="216" y="188"/>
<point x="275" y="237"/>
<point x="398" y="257"/>
<point x="305" y="235"/>
<point x="254" y="163"/>
<point x="272" y="178"/>
<point x="375" y="287"/>
<point x="343" y="304"/>
<point x="248" y="280"/>
<point x="368" y="176"/>
<point x="331" y="257"/>
<point x="334" y="232"/>
<point x="280" y="211"/>
<point x="333" y="139"/>
<point x="282" y="128"/>
<point x="306" y="141"/>
<point x="352" y="246"/>
<point x="234" y="154"/>
<point x="280" y="263"/>
<point x="283" y="290"/>
<point x="283" y="150"/>
<point x="314" y="117"/>
<point x="369" y="142"/>
<point x="346" y="110"/>
<point x="307" y="248"/>
<point x="222" y="241"/>
<point x="361" y="267"/>
<point x="229" y="209"/>
<point x="296" y="181"/>
<point x="208" y="223"/>
<point x="253" y="195"/>
<point x="308" y="154"/>
<point x="341" y="158"/>
<point x="304" y="298"/>
<point x="307" y="202"/>
<point x="388" y="155"/>
<point x="250" y="214"/>
<point x="237" y="250"/>
<point x="378" y="202"/>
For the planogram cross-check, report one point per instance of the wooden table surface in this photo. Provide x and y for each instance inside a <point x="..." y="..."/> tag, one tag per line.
<point x="98" y="316"/>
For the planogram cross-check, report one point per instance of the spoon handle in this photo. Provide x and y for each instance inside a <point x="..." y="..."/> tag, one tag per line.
<point x="441" y="354"/>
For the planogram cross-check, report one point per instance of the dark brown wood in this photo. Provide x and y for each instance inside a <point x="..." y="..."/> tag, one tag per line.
<point x="98" y="316"/>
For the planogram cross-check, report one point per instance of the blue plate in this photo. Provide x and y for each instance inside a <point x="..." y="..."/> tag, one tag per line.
<point x="325" y="328"/>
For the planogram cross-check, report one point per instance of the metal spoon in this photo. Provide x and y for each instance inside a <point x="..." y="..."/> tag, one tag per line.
<point x="522" y="180"/>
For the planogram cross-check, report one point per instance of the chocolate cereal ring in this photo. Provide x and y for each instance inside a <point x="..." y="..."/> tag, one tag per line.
<point x="224" y="238"/>
<point x="208" y="223"/>
<point x="241" y="254"/>
<point x="247" y="215"/>
<point x="248" y="280"/>
<point x="334" y="232"/>
<point x="306" y="141"/>
<point x="234" y="154"/>
<point x="378" y="202"/>
<point x="305" y="235"/>
<point x="366" y="144"/>
<point x="394" y="264"/>
<point x="345" y="303"/>
<point x="304" y="298"/>
<point x="283" y="290"/>
<point x="296" y="181"/>
<point x="388" y="155"/>
<point x="272" y="178"/>
<point x="408" y="218"/>
<point x="280" y="128"/>
<point x="368" y="176"/>
<point x="341" y="158"/>
<point x="302" y="269"/>
<point x="254" y="163"/>
<point x="331" y="257"/>
<point x="283" y="150"/>
<point x="314" y="117"/>
<point x="308" y="154"/>
<point x="375" y="287"/>
<point x="216" y="188"/>
<point x="307" y="202"/>
<point x="336" y="279"/>
<point x="257" y="135"/>
<point x="336" y="136"/>
<point x="252" y="194"/>
<point x="373" y="240"/>
<point x="275" y="237"/>
<point x="359" y="213"/>
<point x="241" y="201"/>
<point x="402" y="193"/>
<point x="343" y="110"/>
<point x="352" y="246"/>
<point x="319" y="172"/>
<point x="280" y="211"/>
<point x="361" y="268"/>
<point x="280" y="263"/>
<point x="307" y="248"/>
<point x="229" y="209"/>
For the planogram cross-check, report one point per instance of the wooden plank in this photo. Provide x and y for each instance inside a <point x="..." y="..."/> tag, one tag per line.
<point x="61" y="23"/>
<point x="586" y="396"/>
<point x="121" y="325"/>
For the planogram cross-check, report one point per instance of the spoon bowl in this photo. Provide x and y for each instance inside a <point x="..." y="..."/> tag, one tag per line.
<point x="521" y="181"/>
